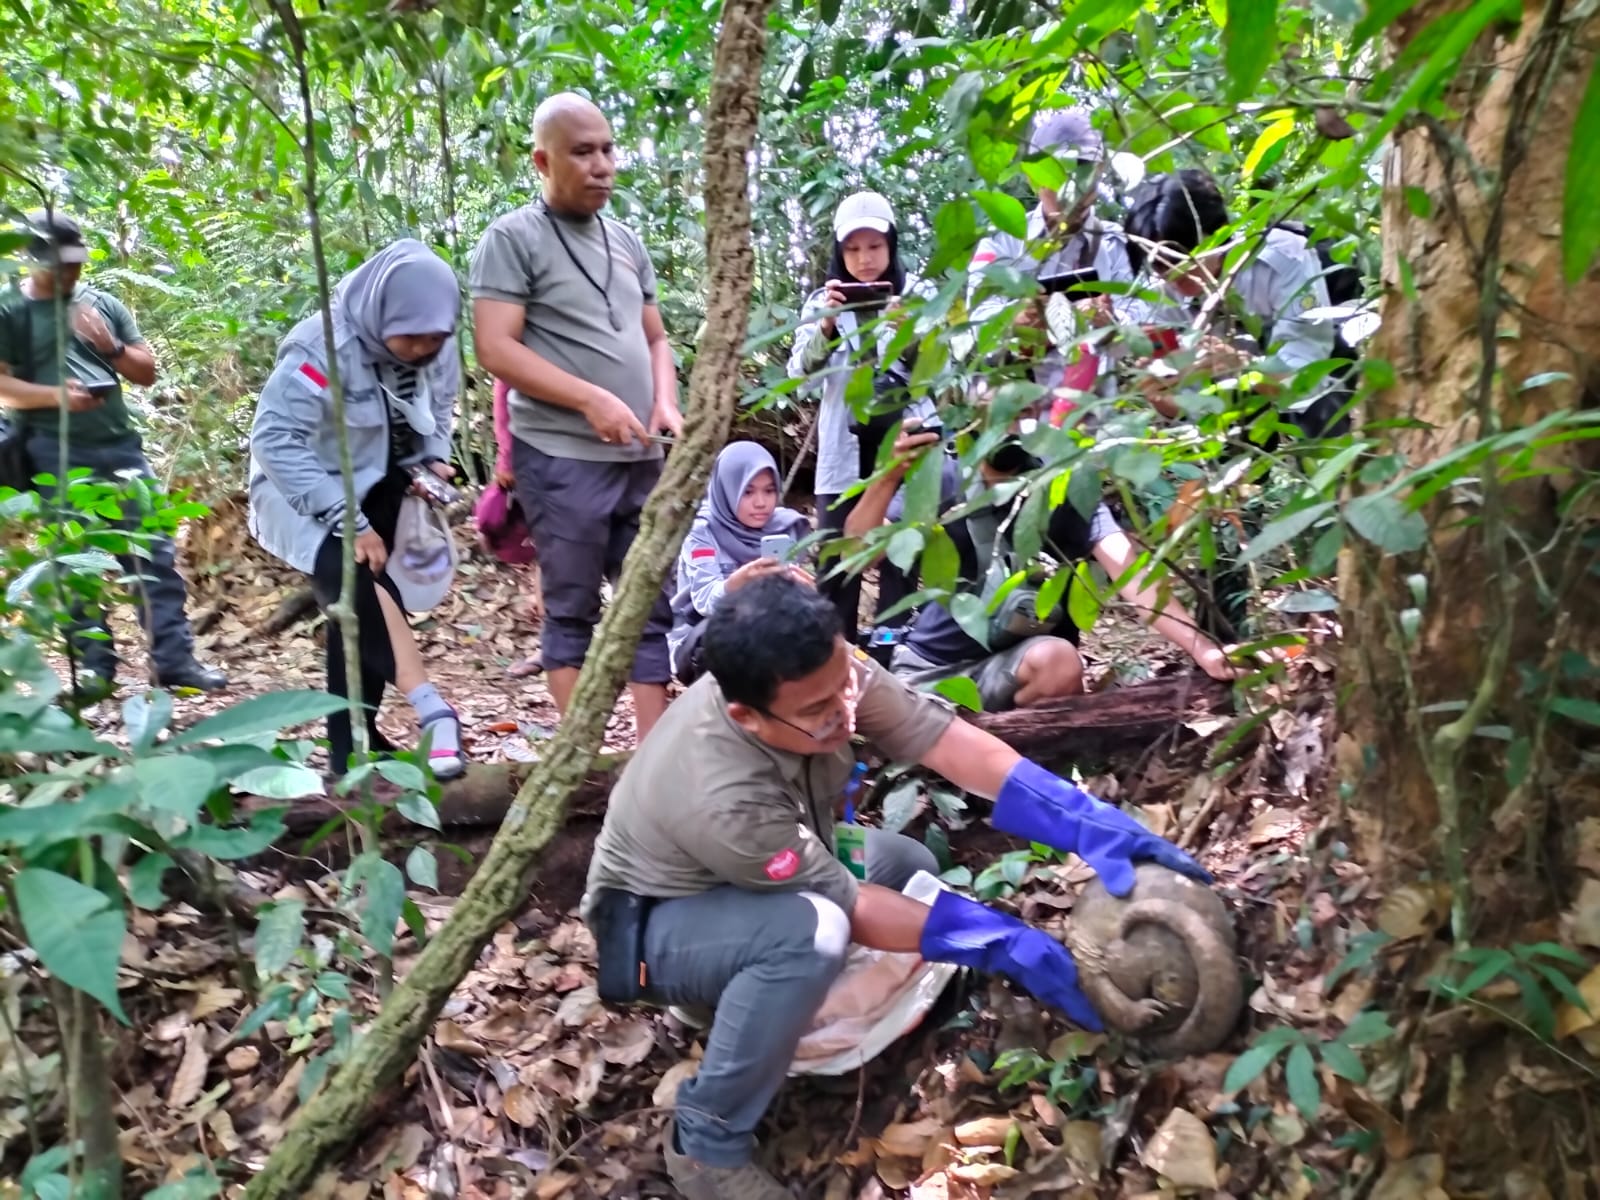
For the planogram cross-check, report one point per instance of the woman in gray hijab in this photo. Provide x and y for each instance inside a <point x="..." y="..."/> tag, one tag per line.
<point x="394" y="321"/>
<point x="738" y="534"/>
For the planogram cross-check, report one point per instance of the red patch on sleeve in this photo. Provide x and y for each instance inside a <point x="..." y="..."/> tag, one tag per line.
<point x="316" y="376"/>
<point x="983" y="258"/>
<point x="782" y="865"/>
<point x="704" y="552"/>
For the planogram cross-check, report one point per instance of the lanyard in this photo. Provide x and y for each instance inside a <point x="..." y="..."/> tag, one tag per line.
<point x="605" y="241"/>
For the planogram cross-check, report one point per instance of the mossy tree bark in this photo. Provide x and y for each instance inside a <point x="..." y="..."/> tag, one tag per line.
<point x="334" y="1115"/>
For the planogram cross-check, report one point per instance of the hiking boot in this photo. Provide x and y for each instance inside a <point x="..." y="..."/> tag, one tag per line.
<point x="696" y="1181"/>
<point x="193" y="675"/>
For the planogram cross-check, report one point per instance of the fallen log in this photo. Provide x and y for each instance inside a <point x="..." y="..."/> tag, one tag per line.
<point x="1098" y="722"/>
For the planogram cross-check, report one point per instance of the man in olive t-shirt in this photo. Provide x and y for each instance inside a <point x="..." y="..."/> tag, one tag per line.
<point x="715" y="881"/>
<point x="103" y="347"/>
<point x="564" y="308"/>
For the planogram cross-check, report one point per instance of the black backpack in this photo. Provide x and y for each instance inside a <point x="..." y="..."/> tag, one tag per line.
<point x="1346" y="286"/>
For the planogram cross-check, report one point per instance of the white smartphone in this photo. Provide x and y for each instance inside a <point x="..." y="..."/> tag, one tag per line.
<point x="777" y="545"/>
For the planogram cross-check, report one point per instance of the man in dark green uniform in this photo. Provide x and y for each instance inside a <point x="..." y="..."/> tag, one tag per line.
<point x="103" y="347"/>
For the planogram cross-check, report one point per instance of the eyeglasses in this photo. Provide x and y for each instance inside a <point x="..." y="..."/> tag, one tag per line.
<point x="850" y="697"/>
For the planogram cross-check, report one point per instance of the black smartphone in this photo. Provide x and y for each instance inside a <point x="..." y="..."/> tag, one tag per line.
<point x="1060" y="282"/>
<point x="867" y="293"/>
<point x="929" y="427"/>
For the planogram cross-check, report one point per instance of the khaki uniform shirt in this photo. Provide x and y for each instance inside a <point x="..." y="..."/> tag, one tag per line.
<point x="703" y="803"/>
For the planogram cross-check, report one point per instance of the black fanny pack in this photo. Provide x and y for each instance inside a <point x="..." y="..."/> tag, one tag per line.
<point x="617" y="920"/>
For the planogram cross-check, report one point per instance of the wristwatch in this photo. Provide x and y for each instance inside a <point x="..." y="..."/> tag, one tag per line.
<point x="118" y="347"/>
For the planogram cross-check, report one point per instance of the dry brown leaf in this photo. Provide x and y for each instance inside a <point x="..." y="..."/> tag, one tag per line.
<point x="896" y="1173"/>
<point x="590" y="1073"/>
<point x="1570" y="1018"/>
<point x="1415" y="910"/>
<point x="666" y="1093"/>
<point x="908" y="1139"/>
<point x="1273" y="825"/>
<point x="191" y="1074"/>
<point x="941" y="1151"/>
<point x="985" y="1131"/>
<point x="1588" y="853"/>
<point x="521" y="1104"/>
<point x="1183" y="1151"/>
<point x="451" y="1036"/>
<point x="1416" y="1178"/>
<point x="1049" y="1115"/>
<point x="243" y="1058"/>
<point x="1583" y="921"/>
<point x="579" y="1007"/>
<point x="629" y="1043"/>
<point x="983" y="1174"/>
<point x="214" y="998"/>
<point x="554" y="1184"/>
<point x="1083" y="1144"/>
<point x="221" y="1126"/>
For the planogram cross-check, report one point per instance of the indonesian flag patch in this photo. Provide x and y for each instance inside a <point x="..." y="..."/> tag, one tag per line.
<point x="703" y="552"/>
<point x="316" y="376"/>
<point x="782" y="865"/>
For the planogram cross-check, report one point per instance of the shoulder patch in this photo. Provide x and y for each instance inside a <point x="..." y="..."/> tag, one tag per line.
<point x="782" y="865"/>
<point x="703" y="552"/>
<point x="983" y="258"/>
<point x="1307" y="300"/>
<point x="316" y="376"/>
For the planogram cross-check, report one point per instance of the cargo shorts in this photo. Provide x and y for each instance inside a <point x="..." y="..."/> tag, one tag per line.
<point x="583" y="517"/>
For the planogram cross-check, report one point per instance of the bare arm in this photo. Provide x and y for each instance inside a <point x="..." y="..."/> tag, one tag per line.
<point x="887" y="920"/>
<point x="1167" y="617"/>
<point x="18" y="394"/>
<point x="974" y="760"/>
<point x="873" y="506"/>
<point x="136" y="364"/>
<point x="667" y="417"/>
<point x="498" y="327"/>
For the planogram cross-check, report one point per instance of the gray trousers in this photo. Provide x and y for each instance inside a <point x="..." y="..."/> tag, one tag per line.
<point x="158" y="590"/>
<point x="764" y="961"/>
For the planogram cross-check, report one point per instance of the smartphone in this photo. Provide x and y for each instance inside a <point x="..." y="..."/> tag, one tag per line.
<point x="777" y="545"/>
<point x="101" y="388"/>
<point x="1051" y="284"/>
<point x="867" y="293"/>
<point x="929" y="425"/>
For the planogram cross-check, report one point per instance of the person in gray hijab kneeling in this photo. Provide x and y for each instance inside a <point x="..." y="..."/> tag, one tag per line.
<point x="394" y="322"/>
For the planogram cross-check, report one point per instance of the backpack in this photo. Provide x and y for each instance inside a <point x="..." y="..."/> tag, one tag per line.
<point x="1346" y="286"/>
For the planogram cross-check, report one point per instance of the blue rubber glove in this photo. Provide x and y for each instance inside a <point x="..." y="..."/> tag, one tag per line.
<point x="1042" y="807"/>
<point x="969" y="934"/>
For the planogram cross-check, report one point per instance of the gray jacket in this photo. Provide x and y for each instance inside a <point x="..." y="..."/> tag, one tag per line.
<point x="296" y="488"/>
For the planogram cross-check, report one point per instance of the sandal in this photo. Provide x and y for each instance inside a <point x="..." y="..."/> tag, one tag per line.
<point x="522" y="669"/>
<point x="446" y="758"/>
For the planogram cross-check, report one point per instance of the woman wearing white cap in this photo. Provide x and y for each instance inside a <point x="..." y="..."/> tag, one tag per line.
<point x="827" y="349"/>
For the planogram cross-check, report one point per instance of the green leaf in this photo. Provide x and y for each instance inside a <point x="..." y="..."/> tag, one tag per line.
<point x="1364" y="948"/>
<point x="969" y="613"/>
<point x="1492" y="964"/>
<point x="385" y="894"/>
<point x="418" y="809"/>
<point x="144" y="717"/>
<point x="1541" y="1017"/>
<point x="1344" y="1062"/>
<point x="1253" y="1062"/>
<point x="961" y="690"/>
<point x="332" y="984"/>
<point x="1580" y="215"/>
<point x="957" y="877"/>
<point x="144" y="881"/>
<point x="1050" y="593"/>
<point x="283" y="781"/>
<point x="941" y="561"/>
<point x="272" y="713"/>
<point x="1282" y="530"/>
<point x="1368" y="1029"/>
<point x="265" y="828"/>
<point x="1586" y="711"/>
<point x="403" y="774"/>
<point x="1300" y="1073"/>
<point x="923" y="486"/>
<point x="422" y="868"/>
<point x="1006" y="212"/>
<point x="279" y="931"/>
<point x="1270" y="137"/>
<point x="1564" y="987"/>
<point x="75" y="930"/>
<point x="1083" y="600"/>
<point x="1139" y="467"/>
<point x="175" y="783"/>
<point x="904" y="547"/>
<point x="1419" y="202"/>
<point x="901" y="805"/>
<point x="1248" y="41"/>
<point x="1387" y="524"/>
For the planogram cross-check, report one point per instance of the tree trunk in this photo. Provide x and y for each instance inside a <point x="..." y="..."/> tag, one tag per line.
<point x="335" y="1114"/>
<point x="1456" y="767"/>
<point x="1499" y="566"/>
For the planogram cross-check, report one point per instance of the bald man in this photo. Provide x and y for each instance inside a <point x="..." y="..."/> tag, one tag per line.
<point x="564" y="301"/>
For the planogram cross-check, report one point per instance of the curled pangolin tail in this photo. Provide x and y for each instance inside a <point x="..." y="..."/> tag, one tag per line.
<point x="1220" y="994"/>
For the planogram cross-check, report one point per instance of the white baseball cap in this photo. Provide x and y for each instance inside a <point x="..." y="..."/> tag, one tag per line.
<point x="864" y="210"/>
<point x="423" y="564"/>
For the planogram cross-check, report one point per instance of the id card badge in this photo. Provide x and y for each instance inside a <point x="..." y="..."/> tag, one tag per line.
<point x="850" y="847"/>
